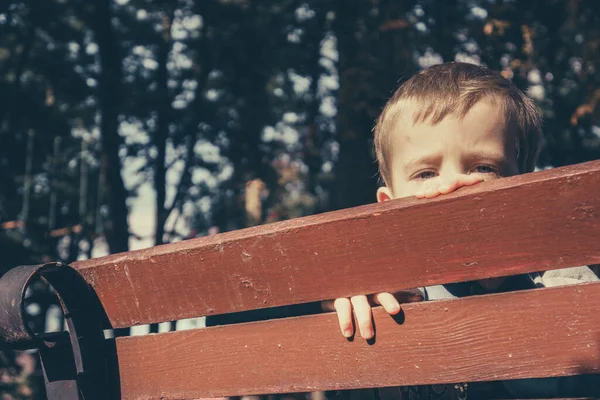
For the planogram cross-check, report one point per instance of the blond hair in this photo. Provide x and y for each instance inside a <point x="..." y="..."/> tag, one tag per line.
<point x="453" y="89"/>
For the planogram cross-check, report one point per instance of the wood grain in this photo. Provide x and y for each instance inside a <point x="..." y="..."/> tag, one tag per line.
<point x="539" y="221"/>
<point x="536" y="333"/>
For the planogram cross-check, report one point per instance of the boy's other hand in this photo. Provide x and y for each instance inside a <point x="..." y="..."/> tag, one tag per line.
<point x="361" y="305"/>
<point x="433" y="187"/>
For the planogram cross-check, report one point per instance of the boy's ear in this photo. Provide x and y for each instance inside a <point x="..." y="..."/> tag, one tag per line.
<point x="384" y="194"/>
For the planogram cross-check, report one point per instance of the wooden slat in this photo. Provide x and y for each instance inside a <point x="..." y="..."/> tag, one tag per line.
<point x="537" y="333"/>
<point x="546" y="220"/>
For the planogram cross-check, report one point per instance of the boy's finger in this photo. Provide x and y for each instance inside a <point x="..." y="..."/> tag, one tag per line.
<point x="388" y="302"/>
<point x="467" y="180"/>
<point x="343" y="308"/>
<point x="428" y="191"/>
<point x="362" y="310"/>
<point x="432" y="193"/>
<point x="450" y="186"/>
<point x="470" y="180"/>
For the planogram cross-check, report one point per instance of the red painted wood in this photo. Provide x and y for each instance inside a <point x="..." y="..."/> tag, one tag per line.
<point x="537" y="333"/>
<point x="539" y="221"/>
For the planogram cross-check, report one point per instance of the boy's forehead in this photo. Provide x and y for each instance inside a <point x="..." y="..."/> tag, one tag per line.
<point x="406" y="110"/>
<point x="413" y="111"/>
<point x="483" y="127"/>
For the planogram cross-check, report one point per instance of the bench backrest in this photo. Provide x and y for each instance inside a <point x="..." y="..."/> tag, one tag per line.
<point x="534" y="222"/>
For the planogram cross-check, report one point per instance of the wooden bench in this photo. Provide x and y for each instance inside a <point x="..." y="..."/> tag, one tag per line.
<point x="540" y="221"/>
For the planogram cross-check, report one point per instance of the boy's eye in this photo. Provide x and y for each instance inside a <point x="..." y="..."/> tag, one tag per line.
<point x="425" y="175"/>
<point x="486" y="169"/>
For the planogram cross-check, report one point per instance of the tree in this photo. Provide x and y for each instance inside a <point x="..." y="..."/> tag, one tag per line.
<point x="374" y="42"/>
<point x="100" y="19"/>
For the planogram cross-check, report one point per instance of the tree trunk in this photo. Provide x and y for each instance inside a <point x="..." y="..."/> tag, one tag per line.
<point x="355" y="171"/>
<point x="162" y="129"/>
<point x="374" y="51"/>
<point x="117" y="228"/>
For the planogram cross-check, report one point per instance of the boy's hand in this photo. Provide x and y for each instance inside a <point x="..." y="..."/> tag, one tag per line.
<point x="362" y="309"/>
<point x="361" y="305"/>
<point x="433" y="187"/>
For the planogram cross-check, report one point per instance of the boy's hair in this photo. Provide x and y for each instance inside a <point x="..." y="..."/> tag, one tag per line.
<point x="453" y="89"/>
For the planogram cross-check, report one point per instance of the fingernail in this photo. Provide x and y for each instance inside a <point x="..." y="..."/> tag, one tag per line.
<point x="348" y="332"/>
<point x="368" y="333"/>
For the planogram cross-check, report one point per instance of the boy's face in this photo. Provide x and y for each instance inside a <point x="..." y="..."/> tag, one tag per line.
<point x="427" y="157"/>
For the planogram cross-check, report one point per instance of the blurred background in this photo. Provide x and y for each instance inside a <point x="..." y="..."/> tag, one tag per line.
<point x="130" y="123"/>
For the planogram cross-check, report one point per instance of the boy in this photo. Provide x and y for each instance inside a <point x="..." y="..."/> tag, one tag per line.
<point x="450" y="126"/>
